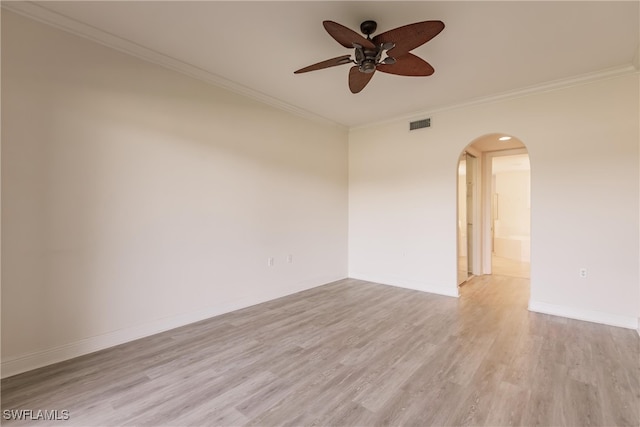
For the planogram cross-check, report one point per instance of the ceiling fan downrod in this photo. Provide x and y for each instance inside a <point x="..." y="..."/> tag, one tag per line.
<point x="368" y="27"/>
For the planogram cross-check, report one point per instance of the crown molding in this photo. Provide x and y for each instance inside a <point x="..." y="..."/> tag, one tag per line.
<point x="56" y="20"/>
<point x="606" y="74"/>
<point x="70" y="25"/>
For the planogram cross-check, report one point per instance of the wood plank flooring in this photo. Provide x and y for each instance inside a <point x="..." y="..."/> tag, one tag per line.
<point x="355" y="353"/>
<point x="509" y="267"/>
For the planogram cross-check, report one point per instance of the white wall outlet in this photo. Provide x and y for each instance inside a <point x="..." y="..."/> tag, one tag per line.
<point x="270" y="262"/>
<point x="289" y="259"/>
<point x="583" y="273"/>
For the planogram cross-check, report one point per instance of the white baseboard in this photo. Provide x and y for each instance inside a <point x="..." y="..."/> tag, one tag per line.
<point x="16" y="365"/>
<point x="629" y="322"/>
<point x="450" y="291"/>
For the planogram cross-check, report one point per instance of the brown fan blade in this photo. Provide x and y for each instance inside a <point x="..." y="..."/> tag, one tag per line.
<point x="408" y="65"/>
<point x="409" y="36"/>
<point x="345" y="36"/>
<point x="358" y="80"/>
<point x="340" y="60"/>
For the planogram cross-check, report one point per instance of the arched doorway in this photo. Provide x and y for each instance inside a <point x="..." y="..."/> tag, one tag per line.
<point x="493" y="215"/>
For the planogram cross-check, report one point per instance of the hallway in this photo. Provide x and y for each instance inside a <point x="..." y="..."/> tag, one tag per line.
<point x="508" y="267"/>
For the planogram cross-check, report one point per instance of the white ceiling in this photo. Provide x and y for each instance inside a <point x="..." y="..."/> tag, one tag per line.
<point x="486" y="48"/>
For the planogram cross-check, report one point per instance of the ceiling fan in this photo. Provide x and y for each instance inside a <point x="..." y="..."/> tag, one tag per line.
<point x="394" y="45"/>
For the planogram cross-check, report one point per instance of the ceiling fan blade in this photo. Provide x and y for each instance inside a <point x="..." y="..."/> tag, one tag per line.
<point x="358" y="80"/>
<point x="345" y="36"/>
<point x="340" y="60"/>
<point x="409" y="36"/>
<point x="407" y="65"/>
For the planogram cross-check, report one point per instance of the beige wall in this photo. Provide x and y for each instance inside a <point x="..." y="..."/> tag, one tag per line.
<point x="583" y="144"/>
<point x="512" y="227"/>
<point x="512" y="189"/>
<point x="135" y="199"/>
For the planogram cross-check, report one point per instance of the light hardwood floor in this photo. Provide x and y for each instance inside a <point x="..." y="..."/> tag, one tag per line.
<point x="508" y="267"/>
<point x="355" y="353"/>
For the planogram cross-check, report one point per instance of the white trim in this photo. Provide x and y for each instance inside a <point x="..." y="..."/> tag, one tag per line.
<point x="408" y="284"/>
<point x="41" y="14"/>
<point x="605" y="74"/>
<point x="27" y="362"/>
<point x="629" y="322"/>
<point x="476" y="251"/>
<point x="59" y="21"/>
<point x="23" y="363"/>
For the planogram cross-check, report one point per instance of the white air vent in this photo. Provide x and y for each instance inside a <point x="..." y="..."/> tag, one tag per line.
<point x="420" y="124"/>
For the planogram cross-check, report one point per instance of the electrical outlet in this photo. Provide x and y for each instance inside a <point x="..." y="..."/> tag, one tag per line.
<point x="583" y="273"/>
<point x="270" y="262"/>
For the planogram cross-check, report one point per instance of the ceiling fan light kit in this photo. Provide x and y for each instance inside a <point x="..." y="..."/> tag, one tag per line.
<point x="387" y="52"/>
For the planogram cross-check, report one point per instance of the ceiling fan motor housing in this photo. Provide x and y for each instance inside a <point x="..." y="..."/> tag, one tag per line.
<point x="368" y="66"/>
<point x="367" y="59"/>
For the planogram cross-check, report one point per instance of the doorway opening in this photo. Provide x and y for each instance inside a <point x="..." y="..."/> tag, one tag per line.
<point x="494" y="204"/>
<point x="511" y="215"/>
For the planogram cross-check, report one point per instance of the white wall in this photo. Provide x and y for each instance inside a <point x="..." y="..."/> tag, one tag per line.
<point x="583" y="145"/>
<point x="402" y="206"/>
<point x="462" y="208"/>
<point x="512" y="225"/>
<point x="463" y="261"/>
<point x="512" y="189"/>
<point x="135" y="199"/>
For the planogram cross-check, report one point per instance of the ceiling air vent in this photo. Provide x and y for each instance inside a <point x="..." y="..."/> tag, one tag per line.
<point x="420" y="124"/>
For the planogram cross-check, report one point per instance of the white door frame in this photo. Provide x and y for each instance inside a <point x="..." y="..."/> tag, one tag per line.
<point x="477" y="242"/>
